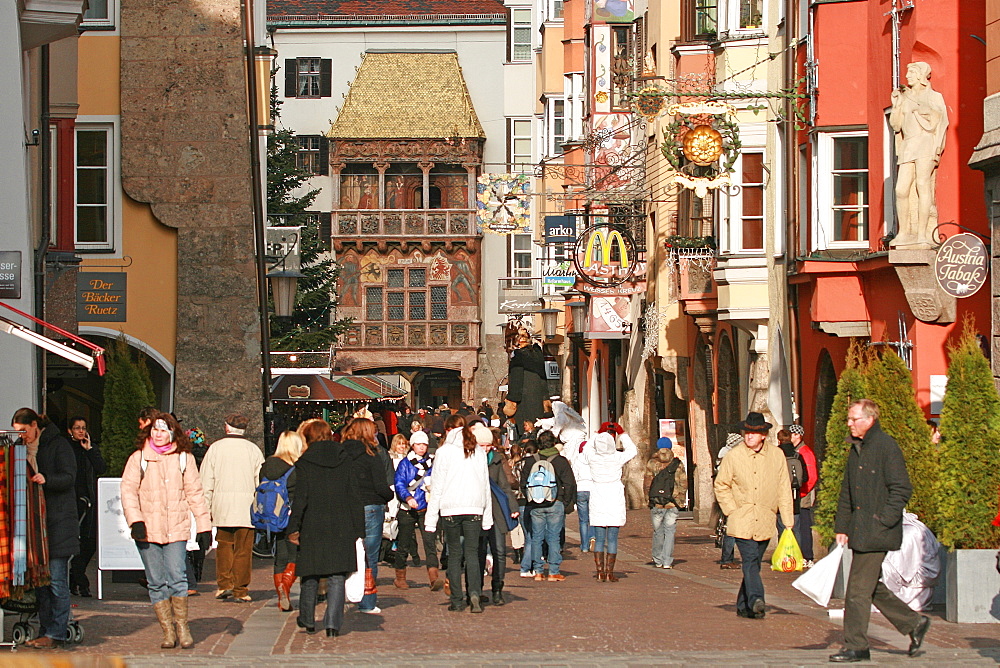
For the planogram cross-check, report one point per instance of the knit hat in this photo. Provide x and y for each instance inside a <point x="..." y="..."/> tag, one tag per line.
<point x="419" y="437"/>
<point x="797" y="429"/>
<point x="664" y="442"/>
<point x="482" y="433"/>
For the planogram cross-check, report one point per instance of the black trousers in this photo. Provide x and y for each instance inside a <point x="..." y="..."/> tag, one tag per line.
<point x="88" y="548"/>
<point x="865" y="588"/>
<point x="494" y="541"/>
<point x="461" y="533"/>
<point x="409" y="521"/>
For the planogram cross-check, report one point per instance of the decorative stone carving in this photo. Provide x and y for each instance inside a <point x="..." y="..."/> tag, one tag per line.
<point x="915" y="269"/>
<point x="919" y="119"/>
<point x="406" y="150"/>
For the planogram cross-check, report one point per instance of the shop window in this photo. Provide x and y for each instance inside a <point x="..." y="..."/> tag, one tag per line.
<point x="308" y="77"/>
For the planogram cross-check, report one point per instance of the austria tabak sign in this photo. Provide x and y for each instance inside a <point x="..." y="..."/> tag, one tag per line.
<point x="962" y="265"/>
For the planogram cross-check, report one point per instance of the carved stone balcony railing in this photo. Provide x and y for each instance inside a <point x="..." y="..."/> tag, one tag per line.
<point x="403" y="335"/>
<point x="382" y="223"/>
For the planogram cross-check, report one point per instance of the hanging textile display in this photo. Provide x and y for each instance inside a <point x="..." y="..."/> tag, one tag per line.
<point x="6" y="562"/>
<point x="19" y="476"/>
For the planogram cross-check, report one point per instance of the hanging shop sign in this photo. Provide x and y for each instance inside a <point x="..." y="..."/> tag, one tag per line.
<point x="10" y="274"/>
<point x="609" y="318"/>
<point x="503" y="204"/>
<point x="702" y="145"/>
<point x="560" y="229"/>
<point x="519" y="305"/>
<point x="607" y="261"/>
<point x="962" y="265"/>
<point x="559" y="273"/>
<point x="101" y="296"/>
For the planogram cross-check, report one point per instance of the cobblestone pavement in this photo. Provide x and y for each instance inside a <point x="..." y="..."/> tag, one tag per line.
<point x="683" y="616"/>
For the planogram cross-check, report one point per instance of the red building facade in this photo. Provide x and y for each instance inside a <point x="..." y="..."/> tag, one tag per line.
<point x="848" y="281"/>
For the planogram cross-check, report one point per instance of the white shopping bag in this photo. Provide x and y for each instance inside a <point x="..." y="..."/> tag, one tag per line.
<point x="817" y="582"/>
<point x="354" y="587"/>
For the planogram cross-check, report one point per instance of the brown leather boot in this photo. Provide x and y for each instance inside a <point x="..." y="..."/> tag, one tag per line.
<point x="279" y="586"/>
<point x="599" y="564"/>
<point x="287" y="580"/>
<point x="400" y="581"/>
<point x="434" y="577"/>
<point x="180" y="606"/>
<point x="609" y="569"/>
<point x="165" y="616"/>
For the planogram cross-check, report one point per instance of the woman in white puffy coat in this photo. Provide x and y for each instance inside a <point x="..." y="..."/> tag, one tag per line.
<point x="607" y="493"/>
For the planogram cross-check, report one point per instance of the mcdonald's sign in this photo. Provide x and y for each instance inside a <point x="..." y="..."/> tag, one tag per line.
<point x="605" y="255"/>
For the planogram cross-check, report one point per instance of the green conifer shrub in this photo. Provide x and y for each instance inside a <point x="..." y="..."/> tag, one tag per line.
<point x="850" y="388"/>
<point x="128" y="389"/>
<point x="890" y="385"/>
<point x="969" y="459"/>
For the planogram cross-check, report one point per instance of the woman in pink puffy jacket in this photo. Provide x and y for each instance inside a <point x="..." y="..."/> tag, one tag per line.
<point x="160" y="491"/>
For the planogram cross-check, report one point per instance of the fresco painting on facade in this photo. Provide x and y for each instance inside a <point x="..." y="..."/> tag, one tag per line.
<point x="615" y="11"/>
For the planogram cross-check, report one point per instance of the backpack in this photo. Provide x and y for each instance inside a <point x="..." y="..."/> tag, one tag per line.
<point x="796" y="472"/>
<point x="271" y="509"/>
<point x="661" y="489"/>
<point x="542" y="487"/>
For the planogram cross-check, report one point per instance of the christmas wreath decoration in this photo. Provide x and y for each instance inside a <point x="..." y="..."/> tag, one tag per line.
<point x="702" y="145"/>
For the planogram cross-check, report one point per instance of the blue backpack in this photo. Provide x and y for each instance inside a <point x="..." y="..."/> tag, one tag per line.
<point x="271" y="509"/>
<point x="541" y="485"/>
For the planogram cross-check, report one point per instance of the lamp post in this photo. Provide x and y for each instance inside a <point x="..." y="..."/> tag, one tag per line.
<point x="549" y="321"/>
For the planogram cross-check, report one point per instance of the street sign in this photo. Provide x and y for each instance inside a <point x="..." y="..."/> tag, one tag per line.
<point x="10" y="274"/>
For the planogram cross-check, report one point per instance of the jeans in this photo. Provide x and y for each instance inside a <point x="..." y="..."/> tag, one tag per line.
<point x="546" y="525"/>
<point x="606" y="539"/>
<point x="806" y="533"/>
<point x="374" y="517"/>
<point x="525" y="519"/>
<point x="234" y="559"/>
<point x="495" y="541"/>
<point x="461" y="533"/>
<point x="752" y="587"/>
<point x="406" y="541"/>
<point x="583" y="511"/>
<point x="53" y="601"/>
<point x="334" y="616"/>
<point x="865" y="588"/>
<point x="728" y="549"/>
<point x="166" y="569"/>
<point x="664" y="529"/>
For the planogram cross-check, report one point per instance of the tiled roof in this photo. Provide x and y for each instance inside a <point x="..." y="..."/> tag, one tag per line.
<point x="279" y="8"/>
<point x="408" y="95"/>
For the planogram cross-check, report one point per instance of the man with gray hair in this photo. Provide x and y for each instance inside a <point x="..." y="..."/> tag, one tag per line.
<point x="873" y="494"/>
<point x="229" y="475"/>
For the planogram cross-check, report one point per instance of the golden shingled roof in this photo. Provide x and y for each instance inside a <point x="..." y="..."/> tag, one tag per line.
<point x="412" y="95"/>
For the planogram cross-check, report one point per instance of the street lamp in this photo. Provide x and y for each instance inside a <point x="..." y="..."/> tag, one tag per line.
<point x="549" y="321"/>
<point x="283" y="285"/>
<point x="578" y="310"/>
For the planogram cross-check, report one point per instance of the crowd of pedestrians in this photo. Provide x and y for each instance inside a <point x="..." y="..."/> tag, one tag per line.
<point x="475" y="491"/>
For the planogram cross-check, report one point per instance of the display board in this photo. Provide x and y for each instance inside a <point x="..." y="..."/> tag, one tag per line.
<point x="116" y="550"/>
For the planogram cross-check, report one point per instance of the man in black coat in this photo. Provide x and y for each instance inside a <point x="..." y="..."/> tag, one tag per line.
<point x="56" y="473"/>
<point x="873" y="494"/>
<point x="527" y="388"/>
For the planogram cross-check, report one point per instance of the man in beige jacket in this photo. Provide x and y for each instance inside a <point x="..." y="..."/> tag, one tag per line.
<point x="752" y="486"/>
<point x="229" y="475"/>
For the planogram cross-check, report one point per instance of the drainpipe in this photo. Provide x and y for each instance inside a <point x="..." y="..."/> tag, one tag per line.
<point x="44" y="188"/>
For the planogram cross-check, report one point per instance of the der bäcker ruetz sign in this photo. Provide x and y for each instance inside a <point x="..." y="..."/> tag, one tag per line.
<point x="100" y="296"/>
<point x="962" y="265"/>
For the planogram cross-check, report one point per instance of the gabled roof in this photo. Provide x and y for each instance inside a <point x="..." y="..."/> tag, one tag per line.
<point x="279" y="8"/>
<point x="408" y="95"/>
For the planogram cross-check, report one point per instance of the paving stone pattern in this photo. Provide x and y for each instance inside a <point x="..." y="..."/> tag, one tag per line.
<point x="683" y="616"/>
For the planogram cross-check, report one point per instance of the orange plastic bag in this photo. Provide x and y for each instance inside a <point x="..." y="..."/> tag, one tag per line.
<point x="787" y="558"/>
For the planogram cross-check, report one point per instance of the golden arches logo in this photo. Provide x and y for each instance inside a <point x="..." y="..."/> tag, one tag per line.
<point x="606" y="238"/>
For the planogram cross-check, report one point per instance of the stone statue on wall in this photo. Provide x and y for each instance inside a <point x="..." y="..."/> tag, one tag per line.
<point x="919" y="119"/>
